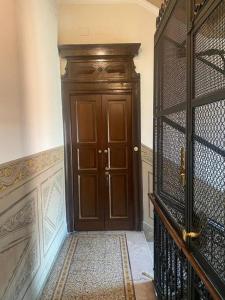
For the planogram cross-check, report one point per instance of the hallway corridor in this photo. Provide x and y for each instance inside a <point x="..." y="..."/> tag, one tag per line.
<point x="103" y="266"/>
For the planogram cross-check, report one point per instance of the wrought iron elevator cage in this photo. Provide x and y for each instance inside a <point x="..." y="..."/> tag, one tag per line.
<point x="189" y="150"/>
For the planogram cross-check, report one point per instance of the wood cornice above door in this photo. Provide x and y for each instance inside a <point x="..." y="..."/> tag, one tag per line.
<point x="99" y="50"/>
<point x="150" y="5"/>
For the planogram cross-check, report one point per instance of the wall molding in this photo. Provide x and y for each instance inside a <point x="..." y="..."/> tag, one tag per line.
<point x="32" y="221"/>
<point x="147" y="173"/>
<point x="17" y="172"/>
<point x="143" y="3"/>
<point x="147" y="154"/>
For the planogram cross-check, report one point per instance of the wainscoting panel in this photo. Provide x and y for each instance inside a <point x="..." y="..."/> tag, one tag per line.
<point x="32" y="222"/>
<point x="147" y="173"/>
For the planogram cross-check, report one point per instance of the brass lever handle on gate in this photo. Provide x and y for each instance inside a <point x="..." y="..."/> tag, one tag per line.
<point x="182" y="169"/>
<point x="191" y="234"/>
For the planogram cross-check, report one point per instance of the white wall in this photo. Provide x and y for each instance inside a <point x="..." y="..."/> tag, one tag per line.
<point x="31" y="191"/>
<point x="115" y="23"/>
<point x="40" y="74"/>
<point x="10" y="100"/>
<point x="30" y="99"/>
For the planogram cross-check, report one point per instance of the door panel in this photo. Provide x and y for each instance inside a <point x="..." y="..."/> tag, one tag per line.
<point x="118" y="196"/>
<point x="118" y="161"/>
<point x="87" y="158"/>
<point x="117" y="120"/>
<point x="87" y="161"/>
<point x="88" y="196"/>
<point x="86" y="116"/>
<point x="118" y="157"/>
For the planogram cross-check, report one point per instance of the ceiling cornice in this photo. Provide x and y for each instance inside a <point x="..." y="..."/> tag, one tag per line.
<point x="143" y="3"/>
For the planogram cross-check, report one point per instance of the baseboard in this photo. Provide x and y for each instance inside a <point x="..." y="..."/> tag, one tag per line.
<point x="51" y="268"/>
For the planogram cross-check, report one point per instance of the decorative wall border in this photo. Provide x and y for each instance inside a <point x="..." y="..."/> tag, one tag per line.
<point x="19" y="171"/>
<point x="32" y="195"/>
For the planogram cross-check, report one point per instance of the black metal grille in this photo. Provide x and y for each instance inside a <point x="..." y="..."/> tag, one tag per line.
<point x="171" y="269"/>
<point x="173" y="141"/>
<point x="170" y="265"/>
<point x="178" y="118"/>
<point x="209" y="123"/>
<point x="173" y="59"/>
<point x="172" y="137"/>
<point x="209" y="184"/>
<point x="201" y="292"/>
<point x="200" y="205"/>
<point x="209" y="49"/>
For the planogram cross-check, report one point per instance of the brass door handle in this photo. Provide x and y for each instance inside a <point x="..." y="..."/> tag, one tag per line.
<point x="191" y="234"/>
<point x="107" y="151"/>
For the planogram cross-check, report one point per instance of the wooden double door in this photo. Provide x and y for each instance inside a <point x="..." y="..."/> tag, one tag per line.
<point x="101" y="129"/>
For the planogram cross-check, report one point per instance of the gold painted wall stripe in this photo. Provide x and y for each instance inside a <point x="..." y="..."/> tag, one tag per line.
<point x="19" y="171"/>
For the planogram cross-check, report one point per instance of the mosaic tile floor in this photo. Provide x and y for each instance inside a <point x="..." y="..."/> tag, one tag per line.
<point x="89" y="276"/>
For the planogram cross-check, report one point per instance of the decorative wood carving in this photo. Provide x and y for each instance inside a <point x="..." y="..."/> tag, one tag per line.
<point x="108" y="62"/>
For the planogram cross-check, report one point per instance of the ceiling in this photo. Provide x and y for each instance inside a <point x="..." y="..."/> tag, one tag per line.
<point x="156" y="2"/>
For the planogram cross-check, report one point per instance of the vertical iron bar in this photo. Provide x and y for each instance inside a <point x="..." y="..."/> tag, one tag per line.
<point x="189" y="152"/>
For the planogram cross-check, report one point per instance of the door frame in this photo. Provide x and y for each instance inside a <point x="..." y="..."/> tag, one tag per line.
<point x="132" y="88"/>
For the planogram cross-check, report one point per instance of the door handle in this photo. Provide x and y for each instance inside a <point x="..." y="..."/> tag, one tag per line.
<point x="191" y="234"/>
<point x="107" y="151"/>
<point x="99" y="151"/>
<point x="182" y="169"/>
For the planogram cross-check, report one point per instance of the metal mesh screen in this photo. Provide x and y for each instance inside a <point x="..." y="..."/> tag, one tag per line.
<point x="179" y="118"/>
<point x="173" y="58"/>
<point x="173" y="141"/>
<point x="209" y="49"/>
<point x="172" y="138"/>
<point x="209" y="123"/>
<point x="209" y="183"/>
<point x="207" y="158"/>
